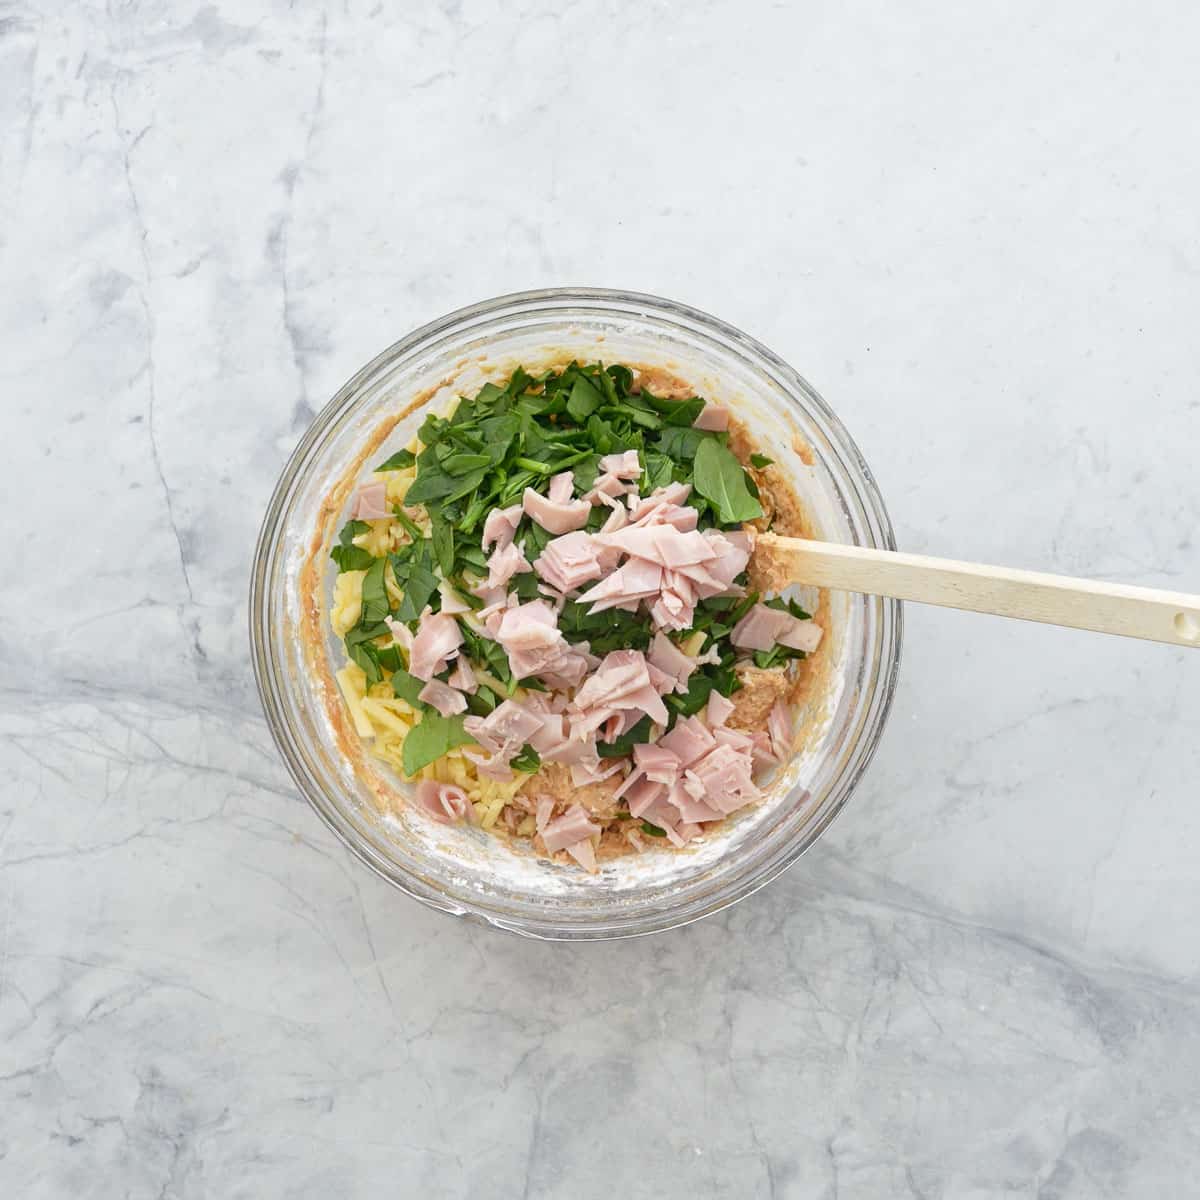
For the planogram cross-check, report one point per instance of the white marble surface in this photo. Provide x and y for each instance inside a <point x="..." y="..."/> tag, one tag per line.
<point x="976" y="228"/>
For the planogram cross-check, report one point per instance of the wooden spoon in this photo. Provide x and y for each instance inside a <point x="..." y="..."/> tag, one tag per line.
<point x="1139" y="612"/>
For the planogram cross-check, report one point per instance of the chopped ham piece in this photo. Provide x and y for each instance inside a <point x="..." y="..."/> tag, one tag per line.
<point x="506" y="563"/>
<point x="726" y="775"/>
<point x="689" y="740"/>
<point x="568" y="562"/>
<point x="592" y="769"/>
<point x="762" y="628"/>
<point x="689" y="808"/>
<point x="607" y="488"/>
<point x="452" y="602"/>
<point x="662" y="814"/>
<point x="623" y="466"/>
<point x="401" y="633"/>
<point x="571" y="827"/>
<point x="673" y="494"/>
<point x="718" y="710"/>
<point x="437" y="640"/>
<point x="562" y="487"/>
<point x="371" y="502"/>
<point x="620" y="673"/>
<point x="545" y="809"/>
<point x="507" y="727"/>
<point x="501" y="526"/>
<point x="463" y="677"/>
<point x="712" y="417"/>
<point x="644" y="794"/>
<point x="657" y="763"/>
<point x="804" y="635"/>
<point x="739" y="739"/>
<point x="779" y="729"/>
<point x="618" y="518"/>
<point x="584" y="853"/>
<point x="444" y="802"/>
<point x="636" y="580"/>
<point x="443" y="697"/>
<point x="667" y="657"/>
<point x="662" y="544"/>
<point x="763" y="754"/>
<point x="556" y="516"/>
<point x="493" y="614"/>
<point x="494" y="766"/>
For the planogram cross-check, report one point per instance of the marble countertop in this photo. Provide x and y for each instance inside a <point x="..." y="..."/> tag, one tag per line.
<point x="975" y="228"/>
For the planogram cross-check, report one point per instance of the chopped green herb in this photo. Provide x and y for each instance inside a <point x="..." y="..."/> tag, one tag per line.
<point x="528" y="760"/>
<point x="408" y="687"/>
<point x="720" y="478"/>
<point x="431" y="738"/>
<point x="653" y="830"/>
<point x="760" y="462"/>
<point x="398" y="461"/>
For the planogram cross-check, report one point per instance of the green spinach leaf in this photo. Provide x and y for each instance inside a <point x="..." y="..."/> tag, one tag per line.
<point x="721" y="479"/>
<point x="428" y="741"/>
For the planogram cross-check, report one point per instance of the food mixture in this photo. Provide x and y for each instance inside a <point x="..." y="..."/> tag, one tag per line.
<point x="546" y="608"/>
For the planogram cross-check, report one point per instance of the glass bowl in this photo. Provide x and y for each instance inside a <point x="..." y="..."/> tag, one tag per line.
<point x="466" y="871"/>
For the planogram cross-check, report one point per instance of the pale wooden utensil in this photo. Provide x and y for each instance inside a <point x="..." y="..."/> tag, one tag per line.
<point x="1139" y="612"/>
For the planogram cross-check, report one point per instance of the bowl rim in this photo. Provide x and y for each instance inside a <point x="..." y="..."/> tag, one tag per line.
<point x="268" y="541"/>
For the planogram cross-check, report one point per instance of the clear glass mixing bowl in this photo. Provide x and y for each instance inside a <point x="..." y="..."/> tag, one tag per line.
<point x="463" y="870"/>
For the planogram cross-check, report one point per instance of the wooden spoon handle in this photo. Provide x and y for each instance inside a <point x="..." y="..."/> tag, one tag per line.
<point x="1158" y="616"/>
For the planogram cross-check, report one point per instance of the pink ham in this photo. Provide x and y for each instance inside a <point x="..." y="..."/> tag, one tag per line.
<point x="573" y="826"/>
<point x="689" y="808"/>
<point x="621" y="675"/>
<point x="607" y="488"/>
<point x="636" y="580"/>
<point x="624" y="465"/>
<point x="463" y="677"/>
<point x="718" y="710"/>
<point x="667" y="657"/>
<point x="501" y="526"/>
<point x="507" y="727"/>
<point x="545" y="810"/>
<point x="657" y="763"/>
<point x="437" y="640"/>
<point x="727" y="778"/>
<point x="591" y="768"/>
<point x="504" y="564"/>
<point x="642" y="795"/>
<point x="443" y="697"/>
<point x="562" y="487"/>
<point x="763" y="753"/>
<point x="804" y="635"/>
<point x="493" y="765"/>
<point x="689" y="740"/>
<point x="618" y="518"/>
<point x="664" y="815"/>
<point x="400" y="632"/>
<point x="584" y="853"/>
<point x="452" y="602"/>
<point x="568" y="562"/>
<point x="661" y="544"/>
<point x="371" y="503"/>
<point x="674" y="494"/>
<point x="444" y="802"/>
<point x="493" y="614"/>
<point x="712" y="417"/>
<point x="739" y="739"/>
<point x="556" y="516"/>
<point x="779" y="729"/>
<point x="762" y="628"/>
